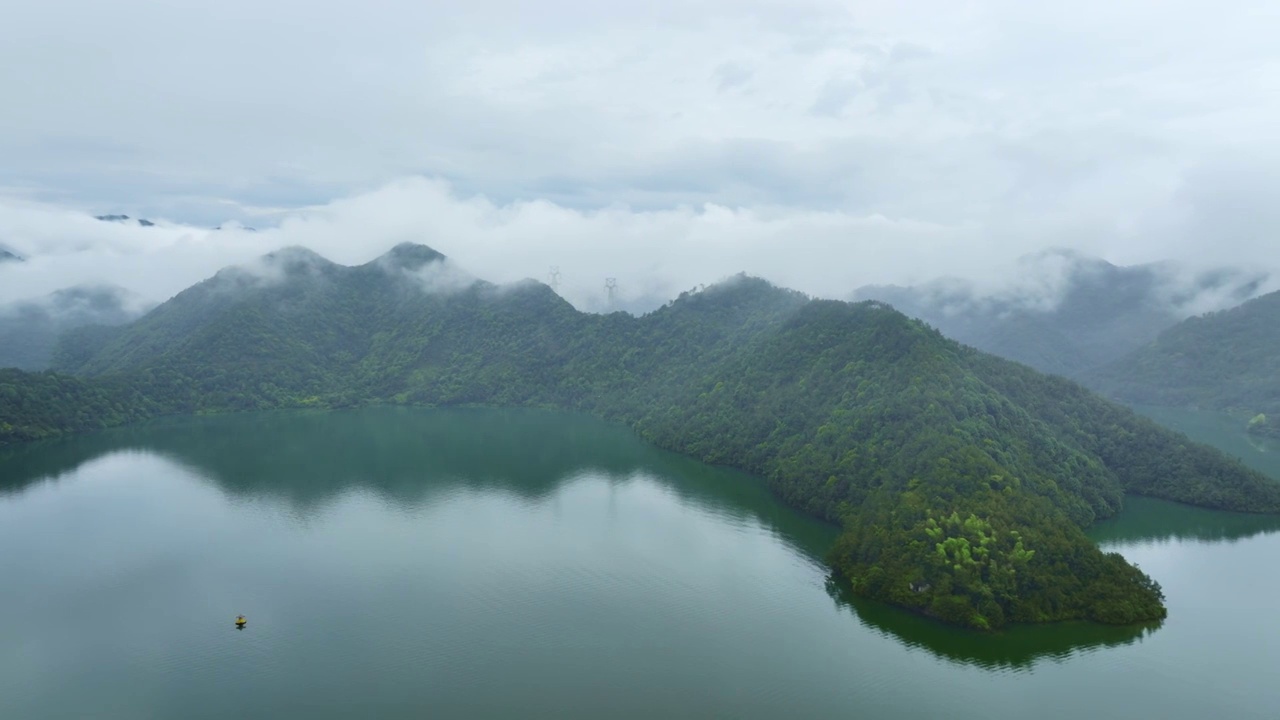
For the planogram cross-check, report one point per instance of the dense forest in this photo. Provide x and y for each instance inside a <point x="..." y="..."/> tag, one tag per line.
<point x="963" y="481"/>
<point x="35" y="406"/>
<point x="1228" y="360"/>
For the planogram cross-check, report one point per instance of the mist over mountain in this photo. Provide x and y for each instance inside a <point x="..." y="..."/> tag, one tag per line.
<point x="654" y="254"/>
<point x="30" y="329"/>
<point x="851" y="411"/>
<point x="8" y="256"/>
<point x="1227" y="360"/>
<point x="280" y="297"/>
<point x="1068" y="313"/>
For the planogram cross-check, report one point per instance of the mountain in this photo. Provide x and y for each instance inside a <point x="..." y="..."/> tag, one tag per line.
<point x="1227" y="360"/>
<point x="9" y="256"/>
<point x="125" y="219"/>
<point x="30" y="329"/>
<point x="1096" y="313"/>
<point x="963" y="481"/>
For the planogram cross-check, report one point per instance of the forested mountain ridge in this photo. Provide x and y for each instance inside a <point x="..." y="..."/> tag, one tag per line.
<point x="1101" y="312"/>
<point x="963" y="481"/>
<point x="1227" y="360"/>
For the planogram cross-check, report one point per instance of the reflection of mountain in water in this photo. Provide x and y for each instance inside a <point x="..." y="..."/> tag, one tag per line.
<point x="1017" y="648"/>
<point x="408" y="456"/>
<point x="1151" y="520"/>
<point x="1259" y="444"/>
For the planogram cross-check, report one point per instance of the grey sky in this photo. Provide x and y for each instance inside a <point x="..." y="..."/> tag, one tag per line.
<point x="838" y="143"/>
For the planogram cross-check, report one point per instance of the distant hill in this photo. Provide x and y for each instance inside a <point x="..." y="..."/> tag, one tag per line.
<point x="126" y="220"/>
<point x="1227" y="360"/>
<point x="30" y="329"/>
<point x="7" y="255"/>
<point x="963" y="481"/>
<point x="1101" y="312"/>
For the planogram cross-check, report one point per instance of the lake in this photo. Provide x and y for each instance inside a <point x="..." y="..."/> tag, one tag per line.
<point x="408" y="563"/>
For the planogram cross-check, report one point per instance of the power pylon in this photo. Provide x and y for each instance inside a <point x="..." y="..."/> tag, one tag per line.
<point x="611" y="287"/>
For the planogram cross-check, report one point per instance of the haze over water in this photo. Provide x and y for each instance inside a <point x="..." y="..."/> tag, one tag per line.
<point x="503" y="564"/>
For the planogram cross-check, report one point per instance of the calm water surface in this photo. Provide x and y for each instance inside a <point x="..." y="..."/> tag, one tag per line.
<point x="515" y="564"/>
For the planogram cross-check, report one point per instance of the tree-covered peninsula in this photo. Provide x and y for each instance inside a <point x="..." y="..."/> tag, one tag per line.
<point x="963" y="481"/>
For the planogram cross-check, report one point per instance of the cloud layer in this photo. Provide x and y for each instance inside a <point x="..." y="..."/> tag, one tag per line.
<point x="822" y="144"/>
<point x="654" y="254"/>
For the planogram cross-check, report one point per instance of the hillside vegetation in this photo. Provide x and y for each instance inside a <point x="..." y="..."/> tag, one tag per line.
<point x="963" y="481"/>
<point x="1228" y="360"/>
<point x="1094" y="314"/>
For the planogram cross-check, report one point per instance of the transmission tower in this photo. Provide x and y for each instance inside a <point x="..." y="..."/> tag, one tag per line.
<point x="611" y="287"/>
<point x="555" y="277"/>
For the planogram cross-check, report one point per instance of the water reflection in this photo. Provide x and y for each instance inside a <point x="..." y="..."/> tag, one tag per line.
<point x="1019" y="648"/>
<point x="1259" y="444"/>
<point x="402" y="454"/>
<point x="1223" y="431"/>
<point x="411" y="456"/>
<point x="1146" y="520"/>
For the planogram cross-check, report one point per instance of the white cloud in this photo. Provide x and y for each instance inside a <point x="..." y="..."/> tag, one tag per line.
<point x="823" y="144"/>
<point x="654" y="254"/>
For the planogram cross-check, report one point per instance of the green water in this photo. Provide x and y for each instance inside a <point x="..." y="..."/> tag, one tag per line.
<point x="405" y="563"/>
<point x="1223" y="431"/>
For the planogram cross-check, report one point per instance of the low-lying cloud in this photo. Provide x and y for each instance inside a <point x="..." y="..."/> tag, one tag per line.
<point x="439" y="277"/>
<point x="653" y="254"/>
<point x="821" y="144"/>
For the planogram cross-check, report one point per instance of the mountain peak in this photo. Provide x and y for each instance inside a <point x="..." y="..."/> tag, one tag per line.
<point x="287" y="262"/>
<point x="409" y="256"/>
<point x="9" y="256"/>
<point x="294" y="253"/>
<point x="296" y="260"/>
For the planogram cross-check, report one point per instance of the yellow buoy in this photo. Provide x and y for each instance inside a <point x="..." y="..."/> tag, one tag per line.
<point x="240" y="621"/>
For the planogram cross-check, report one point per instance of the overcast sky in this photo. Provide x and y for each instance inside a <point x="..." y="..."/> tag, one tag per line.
<point x="824" y="145"/>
